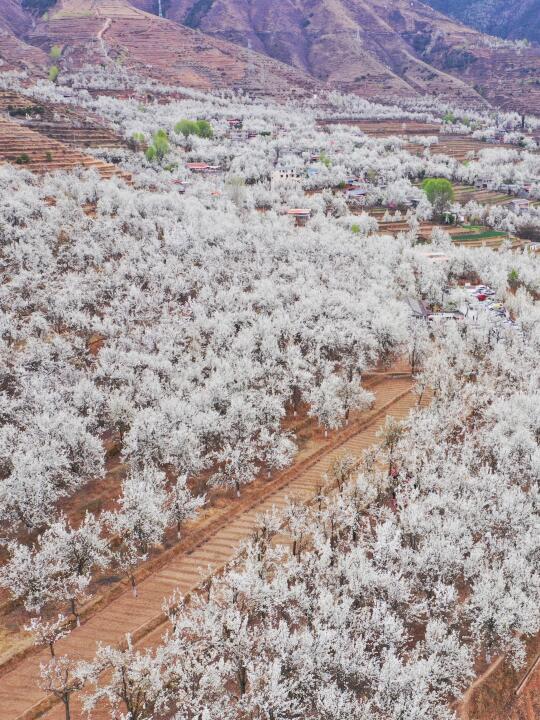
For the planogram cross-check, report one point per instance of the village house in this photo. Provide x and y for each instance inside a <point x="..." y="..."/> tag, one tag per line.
<point x="355" y="188"/>
<point x="418" y="308"/>
<point x="202" y="167"/>
<point x="519" y="205"/>
<point x="510" y="188"/>
<point x="180" y="185"/>
<point x="300" y="215"/>
<point x="285" y="177"/>
<point x="197" y="167"/>
<point x="356" y="194"/>
<point x="481" y="184"/>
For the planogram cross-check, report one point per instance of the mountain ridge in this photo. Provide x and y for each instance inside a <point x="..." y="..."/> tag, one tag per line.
<point x="376" y="49"/>
<point x="373" y="48"/>
<point x="516" y="19"/>
<point x="113" y="31"/>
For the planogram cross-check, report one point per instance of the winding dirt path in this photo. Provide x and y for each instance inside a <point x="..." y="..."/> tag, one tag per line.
<point x="106" y="25"/>
<point x="142" y="617"/>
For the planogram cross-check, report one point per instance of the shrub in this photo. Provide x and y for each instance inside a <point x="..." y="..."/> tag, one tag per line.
<point x="513" y="278"/>
<point x="54" y="72"/>
<point x="22" y="159"/>
<point x="28" y="110"/>
<point x="138" y="138"/>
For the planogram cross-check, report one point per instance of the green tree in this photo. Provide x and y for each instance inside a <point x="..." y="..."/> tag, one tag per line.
<point x="440" y="193"/>
<point x="186" y="127"/>
<point x="325" y="159"/>
<point x="201" y="128"/>
<point x="56" y="52"/>
<point x="159" y="147"/>
<point x="236" y="189"/>
<point x="138" y="137"/>
<point x="204" y="129"/>
<point x="54" y="72"/>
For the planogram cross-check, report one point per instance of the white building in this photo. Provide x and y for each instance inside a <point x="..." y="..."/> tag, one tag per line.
<point x="288" y="177"/>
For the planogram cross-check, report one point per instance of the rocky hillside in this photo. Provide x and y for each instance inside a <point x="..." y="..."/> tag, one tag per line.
<point x="354" y="45"/>
<point x="372" y="47"/>
<point x="105" y="32"/>
<point x="376" y="48"/>
<point x="507" y="18"/>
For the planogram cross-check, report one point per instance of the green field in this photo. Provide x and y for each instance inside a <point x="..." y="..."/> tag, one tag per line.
<point x="487" y="235"/>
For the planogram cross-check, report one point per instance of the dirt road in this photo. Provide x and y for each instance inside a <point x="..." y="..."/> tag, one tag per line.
<point x="142" y="617"/>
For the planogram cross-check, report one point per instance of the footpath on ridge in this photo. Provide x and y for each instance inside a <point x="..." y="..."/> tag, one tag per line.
<point x="143" y="617"/>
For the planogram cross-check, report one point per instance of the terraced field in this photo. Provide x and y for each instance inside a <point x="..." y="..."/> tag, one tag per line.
<point x="143" y="616"/>
<point x="34" y="151"/>
<point x="458" y="148"/>
<point x="114" y="31"/>
<point x="461" y="235"/>
<point x="66" y="124"/>
<point x="386" y="128"/>
<point x="467" y="193"/>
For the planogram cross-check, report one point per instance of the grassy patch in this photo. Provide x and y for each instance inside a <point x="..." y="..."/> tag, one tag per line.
<point x="488" y="234"/>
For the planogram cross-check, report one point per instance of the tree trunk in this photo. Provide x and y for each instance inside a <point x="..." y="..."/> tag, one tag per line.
<point x="242" y="679"/>
<point x="74" y="611"/>
<point x="66" y="707"/>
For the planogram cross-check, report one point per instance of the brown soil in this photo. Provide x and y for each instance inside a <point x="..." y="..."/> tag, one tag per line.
<point x="211" y="541"/>
<point x="101" y="495"/>
<point x="41" y="154"/>
<point x="504" y="693"/>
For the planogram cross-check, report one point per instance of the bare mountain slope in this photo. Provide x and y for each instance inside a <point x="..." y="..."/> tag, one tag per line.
<point x="109" y="31"/>
<point x="346" y="43"/>
<point x="507" y="18"/>
<point x="17" y="55"/>
<point x="370" y="46"/>
<point x="13" y="17"/>
<point x="376" y="48"/>
<point x="14" y="53"/>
